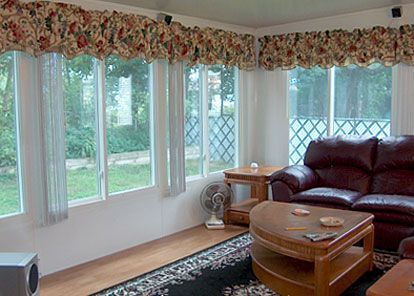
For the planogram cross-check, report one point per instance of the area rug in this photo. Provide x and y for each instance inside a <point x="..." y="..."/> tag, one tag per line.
<point x="224" y="269"/>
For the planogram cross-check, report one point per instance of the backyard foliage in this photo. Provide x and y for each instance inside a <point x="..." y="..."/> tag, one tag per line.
<point x="79" y="84"/>
<point x="7" y="112"/>
<point x="359" y="92"/>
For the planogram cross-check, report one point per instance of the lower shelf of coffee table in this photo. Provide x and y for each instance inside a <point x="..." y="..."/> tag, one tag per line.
<point x="238" y="213"/>
<point x="290" y="276"/>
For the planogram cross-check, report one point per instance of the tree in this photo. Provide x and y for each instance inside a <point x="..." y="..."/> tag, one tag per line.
<point x="359" y="92"/>
<point x="7" y="111"/>
<point x="226" y="88"/>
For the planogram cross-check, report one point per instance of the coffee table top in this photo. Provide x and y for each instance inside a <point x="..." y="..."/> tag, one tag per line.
<point x="269" y="220"/>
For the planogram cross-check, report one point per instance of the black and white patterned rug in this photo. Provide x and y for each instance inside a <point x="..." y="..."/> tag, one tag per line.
<point x="224" y="269"/>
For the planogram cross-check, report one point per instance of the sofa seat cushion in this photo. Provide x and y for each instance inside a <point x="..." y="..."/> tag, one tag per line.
<point x="388" y="208"/>
<point x="341" y="198"/>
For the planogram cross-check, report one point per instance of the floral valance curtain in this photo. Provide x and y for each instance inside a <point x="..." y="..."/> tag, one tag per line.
<point x="40" y="27"/>
<point x="362" y="47"/>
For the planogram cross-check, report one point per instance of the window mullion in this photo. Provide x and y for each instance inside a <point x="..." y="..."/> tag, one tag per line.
<point x="237" y="116"/>
<point x="331" y="101"/>
<point x="153" y="114"/>
<point x="102" y="155"/>
<point x="204" y="112"/>
<point x="18" y="111"/>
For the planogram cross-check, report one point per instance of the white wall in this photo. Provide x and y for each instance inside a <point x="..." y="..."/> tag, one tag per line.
<point x="362" y="19"/>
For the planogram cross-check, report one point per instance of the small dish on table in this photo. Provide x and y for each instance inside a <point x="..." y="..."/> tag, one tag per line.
<point x="332" y="221"/>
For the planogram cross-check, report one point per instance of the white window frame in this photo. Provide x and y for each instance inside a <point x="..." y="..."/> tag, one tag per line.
<point x="331" y="97"/>
<point x="101" y="140"/>
<point x="17" y="84"/>
<point x="151" y="132"/>
<point x="18" y="126"/>
<point x="204" y="131"/>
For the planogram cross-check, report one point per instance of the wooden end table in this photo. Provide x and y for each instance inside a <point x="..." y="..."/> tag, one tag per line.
<point x="258" y="179"/>
<point x="396" y="281"/>
<point x="290" y="264"/>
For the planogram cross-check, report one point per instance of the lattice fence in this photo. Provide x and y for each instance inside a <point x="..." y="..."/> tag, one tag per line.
<point x="303" y="130"/>
<point x="222" y="144"/>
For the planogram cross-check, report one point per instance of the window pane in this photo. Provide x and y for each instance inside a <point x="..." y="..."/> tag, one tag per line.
<point x="308" y="98"/>
<point x="193" y="122"/>
<point x="128" y="124"/>
<point x="79" y="91"/>
<point x="222" y="117"/>
<point x="9" y="178"/>
<point x="363" y="100"/>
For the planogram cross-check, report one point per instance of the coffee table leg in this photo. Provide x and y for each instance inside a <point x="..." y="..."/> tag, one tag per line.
<point x="322" y="275"/>
<point x="369" y="245"/>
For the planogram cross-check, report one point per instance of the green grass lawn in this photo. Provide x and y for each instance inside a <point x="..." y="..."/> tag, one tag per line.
<point x="9" y="195"/>
<point x="82" y="183"/>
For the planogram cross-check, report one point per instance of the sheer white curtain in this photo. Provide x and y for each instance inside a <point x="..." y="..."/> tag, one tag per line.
<point x="53" y="205"/>
<point x="402" y="115"/>
<point x="176" y="116"/>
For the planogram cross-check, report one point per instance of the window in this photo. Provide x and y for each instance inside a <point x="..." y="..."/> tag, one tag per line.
<point x="221" y="117"/>
<point x="363" y="100"/>
<point x="308" y="97"/>
<point x="10" y="193"/>
<point x="128" y="124"/>
<point x="79" y="92"/>
<point x="124" y="156"/>
<point x="193" y="121"/>
<point x="342" y="100"/>
<point x="211" y="119"/>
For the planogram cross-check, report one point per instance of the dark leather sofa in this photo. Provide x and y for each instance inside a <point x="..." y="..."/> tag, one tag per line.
<point x="357" y="173"/>
<point x="406" y="249"/>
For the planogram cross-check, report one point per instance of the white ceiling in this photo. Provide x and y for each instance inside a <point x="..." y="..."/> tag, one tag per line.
<point x="260" y="13"/>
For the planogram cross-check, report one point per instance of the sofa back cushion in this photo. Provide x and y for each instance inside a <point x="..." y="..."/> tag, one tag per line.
<point x="394" y="166"/>
<point x="344" y="162"/>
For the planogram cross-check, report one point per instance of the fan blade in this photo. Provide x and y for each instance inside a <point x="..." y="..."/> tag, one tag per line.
<point x="210" y="190"/>
<point x="208" y="204"/>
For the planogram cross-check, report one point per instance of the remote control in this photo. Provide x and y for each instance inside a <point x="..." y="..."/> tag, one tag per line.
<point x="316" y="237"/>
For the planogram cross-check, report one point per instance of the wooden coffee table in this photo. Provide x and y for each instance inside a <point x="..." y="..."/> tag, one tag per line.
<point x="290" y="264"/>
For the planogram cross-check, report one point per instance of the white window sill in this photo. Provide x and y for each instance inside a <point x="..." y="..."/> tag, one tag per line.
<point x="12" y="216"/>
<point x="84" y="201"/>
<point x="116" y="195"/>
<point x="193" y="179"/>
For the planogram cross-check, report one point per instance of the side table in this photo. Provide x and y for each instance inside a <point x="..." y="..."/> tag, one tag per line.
<point x="258" y="179"/>
<point x="395" y="282"/>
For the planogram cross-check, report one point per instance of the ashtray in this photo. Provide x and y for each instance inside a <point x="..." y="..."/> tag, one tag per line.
<point x="331" y="221"/>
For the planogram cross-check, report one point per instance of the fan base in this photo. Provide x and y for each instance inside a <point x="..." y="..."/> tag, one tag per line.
<point x="214" y="225"/>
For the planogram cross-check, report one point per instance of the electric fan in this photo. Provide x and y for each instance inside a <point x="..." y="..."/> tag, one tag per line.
<point x="215" y="198"/>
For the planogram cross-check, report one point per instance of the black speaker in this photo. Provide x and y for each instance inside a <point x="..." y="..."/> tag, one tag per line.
<point x="396" y="12"/>
<point x="164" y="17"/>
<point x="19" y="274"/>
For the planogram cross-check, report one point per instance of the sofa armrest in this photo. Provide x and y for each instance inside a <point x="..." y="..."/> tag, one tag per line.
<point x="296" y="177"/>
<point x="406" y="249"/>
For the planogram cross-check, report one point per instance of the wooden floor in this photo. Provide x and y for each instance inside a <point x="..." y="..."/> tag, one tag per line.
<point x="110" y="270"/>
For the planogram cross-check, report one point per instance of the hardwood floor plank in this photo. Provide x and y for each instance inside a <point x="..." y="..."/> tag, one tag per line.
<point x="105" y="272"/>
